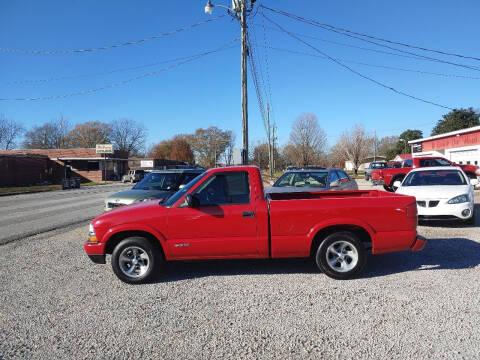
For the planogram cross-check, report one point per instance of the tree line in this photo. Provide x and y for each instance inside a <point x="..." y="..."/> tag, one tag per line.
<point x="207" y="147"/>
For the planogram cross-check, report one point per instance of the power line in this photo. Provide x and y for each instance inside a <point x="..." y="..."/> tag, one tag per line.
<point x="356" y="72"/>
<point x="381" y="39"/>
<point x="376" y="65"/>
<point x="56" y="52"/>
<point x="115" y="84"/>
<point x="416" y="57"/>
<point x="37" y="81"/>
<point x="320" y="25"/>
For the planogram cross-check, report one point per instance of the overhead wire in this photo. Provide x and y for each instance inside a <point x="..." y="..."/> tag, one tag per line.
<point x="126" y="43"/>
<point x="320" y="25"/>
<point x="379" y="38"/>
<point x="38" y="81"/>
<point x="376" y="65"/>
<point x="355" y="71"/>
<point x="118" y="83"/>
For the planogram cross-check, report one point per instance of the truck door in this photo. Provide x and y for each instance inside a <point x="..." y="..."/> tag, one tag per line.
<point x="222" y="224"/>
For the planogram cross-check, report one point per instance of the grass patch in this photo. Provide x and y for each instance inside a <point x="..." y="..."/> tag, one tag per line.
<point x="28" y="189"/>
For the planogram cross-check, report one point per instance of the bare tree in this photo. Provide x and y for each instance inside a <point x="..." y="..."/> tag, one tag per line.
<point x="260" y="156"/>
<point x="354" y="145"/>
<point x="51" y="135"/>
<point x="10" y="131"/>
<point x="89" y="134"/>
<point x="209" y="144"/>
<point x="128" y="135"/>
<point x="308" y="140"/>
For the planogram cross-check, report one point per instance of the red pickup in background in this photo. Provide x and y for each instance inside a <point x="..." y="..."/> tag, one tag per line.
<point x="387" y="177"/>
<point x="224" y="213"/>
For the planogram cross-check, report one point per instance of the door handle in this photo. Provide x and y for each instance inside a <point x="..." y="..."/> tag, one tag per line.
<point x="248" y="214"/>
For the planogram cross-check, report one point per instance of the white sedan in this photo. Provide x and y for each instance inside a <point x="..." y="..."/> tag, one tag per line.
<point x="442" y="193"/>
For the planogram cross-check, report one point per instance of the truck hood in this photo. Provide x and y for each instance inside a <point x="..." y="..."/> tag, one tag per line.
<point x="135" y="213"/>
<point x="434" y="191"/>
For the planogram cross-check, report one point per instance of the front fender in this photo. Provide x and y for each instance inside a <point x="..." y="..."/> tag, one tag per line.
<point x="134" y="227"/>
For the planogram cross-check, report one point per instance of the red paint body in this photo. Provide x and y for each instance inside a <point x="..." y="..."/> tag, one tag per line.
<point x="283" y="226"/>
<point x="389" y="175"/>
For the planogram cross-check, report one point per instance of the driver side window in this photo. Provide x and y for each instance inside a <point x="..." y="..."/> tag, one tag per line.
<point x="228" y="188"/>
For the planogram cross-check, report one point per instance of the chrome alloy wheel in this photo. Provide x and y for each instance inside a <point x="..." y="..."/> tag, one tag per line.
<point x="342" y="256"/>
<point x="134" y="261"/>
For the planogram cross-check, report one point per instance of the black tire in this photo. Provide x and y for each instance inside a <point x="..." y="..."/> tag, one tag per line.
<point x="349" y="246"/>
<point x="148" y="260"/>
<point x="387" y="188"/>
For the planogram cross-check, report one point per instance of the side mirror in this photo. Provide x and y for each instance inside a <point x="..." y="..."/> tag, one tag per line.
<point x="191" y="201"/>
<point x="397" y="184"/>
<point x="474" y="182"/>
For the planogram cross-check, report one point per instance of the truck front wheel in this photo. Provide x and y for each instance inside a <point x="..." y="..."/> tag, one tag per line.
<point x="341" y="255"/>
<point x="135" y="260"/>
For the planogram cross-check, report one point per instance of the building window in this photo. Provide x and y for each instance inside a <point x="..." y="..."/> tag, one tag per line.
<point x="468" y="162"/>
<point x="460" y="162"/>
<point x="476" y="162"/>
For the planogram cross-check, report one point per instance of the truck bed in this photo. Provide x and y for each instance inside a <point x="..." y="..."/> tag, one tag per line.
<point x="327" y="195"/>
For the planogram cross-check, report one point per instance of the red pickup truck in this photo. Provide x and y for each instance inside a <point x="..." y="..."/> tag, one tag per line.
<point x="388" y="176"/>
<point x="224" y="213"/>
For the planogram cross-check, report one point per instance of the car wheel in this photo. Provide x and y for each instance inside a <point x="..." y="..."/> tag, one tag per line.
<point x="366" y="177"/>
<point x="341" y="255"/>
<point x="387" y="188"/>
<point x="135" y="260"/>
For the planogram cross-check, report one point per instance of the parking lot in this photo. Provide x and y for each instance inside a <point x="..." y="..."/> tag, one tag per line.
<point x="56" y="303"/>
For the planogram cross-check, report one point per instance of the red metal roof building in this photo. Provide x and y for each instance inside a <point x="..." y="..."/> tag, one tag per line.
<point x="461" y="146"/>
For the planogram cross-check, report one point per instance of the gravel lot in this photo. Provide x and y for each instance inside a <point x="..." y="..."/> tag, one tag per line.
<point x="55" y="303"/>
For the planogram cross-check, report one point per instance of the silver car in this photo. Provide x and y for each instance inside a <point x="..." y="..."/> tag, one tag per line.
<point x="313" y="179"/>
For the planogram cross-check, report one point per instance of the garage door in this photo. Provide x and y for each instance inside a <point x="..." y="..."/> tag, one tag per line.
<point x="471" y="156"/>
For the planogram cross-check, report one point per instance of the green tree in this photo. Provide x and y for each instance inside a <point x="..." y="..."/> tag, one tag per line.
<point x="457" y="119"/>
<point x="402" y="146"/>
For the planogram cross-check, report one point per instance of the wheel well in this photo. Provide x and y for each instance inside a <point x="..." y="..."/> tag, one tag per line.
<point x="116" y="238"/>
<point x="397" y="177"/>
<point x="360" y="232"/>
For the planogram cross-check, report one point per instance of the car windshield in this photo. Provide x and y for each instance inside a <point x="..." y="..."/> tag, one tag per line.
<point x="434" y="177"/>
<point x="174" y="198"/>
<point x="303" y="179"/>
<point x="158" y="181"/>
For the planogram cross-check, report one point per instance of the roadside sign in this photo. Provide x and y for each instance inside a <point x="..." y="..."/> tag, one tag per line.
<point x="146" y="163"/>
<point x="104" y="149"/>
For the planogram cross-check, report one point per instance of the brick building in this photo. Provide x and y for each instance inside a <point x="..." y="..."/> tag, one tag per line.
<point x="55" y="164"/>
<point x="461" y="146"/>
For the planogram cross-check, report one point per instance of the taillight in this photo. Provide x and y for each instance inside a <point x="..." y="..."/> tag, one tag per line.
<point x="412" y="210"/>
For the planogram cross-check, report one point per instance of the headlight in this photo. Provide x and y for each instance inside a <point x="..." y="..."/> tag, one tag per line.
<point x="92" y="237"/>
<point x="459" y="199"/>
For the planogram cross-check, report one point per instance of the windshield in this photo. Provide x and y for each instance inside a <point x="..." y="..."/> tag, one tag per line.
<point x="435" y="177"/>
<point x="158" y="181"/>
<point x="175" y="197"/>
<point x="303" y="179"/>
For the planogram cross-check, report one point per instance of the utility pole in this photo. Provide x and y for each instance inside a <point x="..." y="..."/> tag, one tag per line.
<point x="375" y="146"/>
<point x="243" y="22"/>
<point x="273" y="147"/>
<point x="270" y="159"/>
<point x="239" y="9"/>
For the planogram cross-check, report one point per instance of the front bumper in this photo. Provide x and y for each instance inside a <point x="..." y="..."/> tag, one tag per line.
<point x="95" y="251"/>
<point x="445" y="211"/>
<point x="419" y="243"/>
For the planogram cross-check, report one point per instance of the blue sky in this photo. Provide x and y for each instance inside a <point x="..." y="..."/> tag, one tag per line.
<point x="207" y="91"/>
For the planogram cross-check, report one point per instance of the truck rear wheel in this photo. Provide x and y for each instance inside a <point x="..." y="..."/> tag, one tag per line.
<point x="135" y="260"/>
<point x="341" y="255"/>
